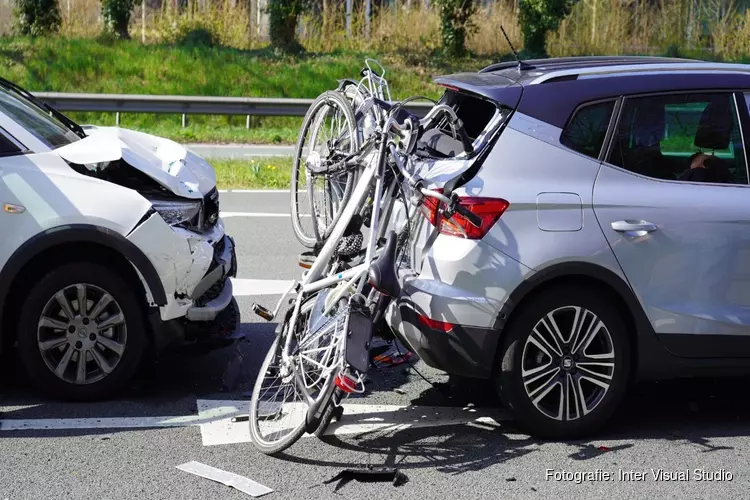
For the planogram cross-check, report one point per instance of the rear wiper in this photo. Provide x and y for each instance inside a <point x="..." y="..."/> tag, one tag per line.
<point x="77" y="129"/>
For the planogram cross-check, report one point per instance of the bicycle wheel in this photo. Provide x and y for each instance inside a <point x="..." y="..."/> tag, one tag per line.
<point x="328" y="133"/>
<point x="279" y="408"/>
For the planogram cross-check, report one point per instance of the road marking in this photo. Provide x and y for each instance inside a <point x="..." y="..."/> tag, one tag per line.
<point x="244" y="287"/>
<point x="215" y="420"/>
<point x="357" y="419"/>
<point x="260" y="191"/>
<point x="226" y="215"/>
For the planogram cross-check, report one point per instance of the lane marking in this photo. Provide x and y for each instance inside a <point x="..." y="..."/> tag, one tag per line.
<point x="243" y="287"/>
<point x="272" y="191"/>
<point x="226" y="215"/>
<point x="215" y="420"/>
<point x="357" y="419"/>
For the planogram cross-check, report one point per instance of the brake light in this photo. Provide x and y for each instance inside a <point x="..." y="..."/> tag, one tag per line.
<point x="489" y="211"/>
<point x="435" y="324"/>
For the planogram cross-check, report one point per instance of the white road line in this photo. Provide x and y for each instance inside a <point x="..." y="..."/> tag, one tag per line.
<point x="244" y="287"/>
<point x="357" y="419"/>
<point x="260" y="191"/>
<point x="215" y="420"/>
<point x="226" y="215"/>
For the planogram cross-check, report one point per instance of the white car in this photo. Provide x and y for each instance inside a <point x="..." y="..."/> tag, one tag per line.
<point x="112" y="248"/>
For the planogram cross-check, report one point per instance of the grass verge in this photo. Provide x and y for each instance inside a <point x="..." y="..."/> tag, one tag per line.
<point x="258" y="173"/>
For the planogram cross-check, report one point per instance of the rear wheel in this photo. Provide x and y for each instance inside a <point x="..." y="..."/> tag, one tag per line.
<point x="81" y="332"/>
<point x="564" y="366"/>
<point x="328" y="134"/>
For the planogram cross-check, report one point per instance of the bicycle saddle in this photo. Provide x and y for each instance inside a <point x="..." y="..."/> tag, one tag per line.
<point x="382" y="273"/>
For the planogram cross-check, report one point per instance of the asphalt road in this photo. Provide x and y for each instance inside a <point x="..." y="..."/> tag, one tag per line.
<point x="674" y="426"/>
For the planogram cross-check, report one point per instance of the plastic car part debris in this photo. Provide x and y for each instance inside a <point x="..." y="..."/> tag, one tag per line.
<point x="368" y="475"/>
<point x="236" y="481"/>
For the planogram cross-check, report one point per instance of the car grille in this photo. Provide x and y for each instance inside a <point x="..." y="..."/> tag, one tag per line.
<point x="211" y="209"/>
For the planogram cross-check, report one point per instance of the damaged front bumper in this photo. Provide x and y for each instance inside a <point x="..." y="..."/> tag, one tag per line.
<point x="195" y="270"/>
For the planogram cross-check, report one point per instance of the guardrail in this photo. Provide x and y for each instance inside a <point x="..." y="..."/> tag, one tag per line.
<point x="186" y="105"/>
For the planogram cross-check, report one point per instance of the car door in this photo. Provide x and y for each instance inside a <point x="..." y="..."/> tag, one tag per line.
<point x="684" y="246"/>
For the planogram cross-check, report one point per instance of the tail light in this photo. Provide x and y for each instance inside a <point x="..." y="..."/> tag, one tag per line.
<point x="435" y="324"/>
<point x="488" y="209"/>
<point x="345" y="382"/>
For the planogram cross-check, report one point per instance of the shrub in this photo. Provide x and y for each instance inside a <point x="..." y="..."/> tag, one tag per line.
<point x="283" y="18"/>
<point x="455" y="24"/>
<point x="37" y="17"/>
<point x="539" y="17"/>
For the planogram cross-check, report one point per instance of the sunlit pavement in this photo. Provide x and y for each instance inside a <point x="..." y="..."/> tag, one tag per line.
<point x="451" y="441"/>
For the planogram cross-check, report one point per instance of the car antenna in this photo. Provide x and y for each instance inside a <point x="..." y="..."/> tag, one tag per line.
<point x="521" y="65"/>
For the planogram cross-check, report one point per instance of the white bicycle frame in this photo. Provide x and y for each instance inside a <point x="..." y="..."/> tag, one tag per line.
<point x="314" y="279"/>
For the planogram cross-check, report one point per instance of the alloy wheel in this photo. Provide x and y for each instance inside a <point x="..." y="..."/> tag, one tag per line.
<point x="82" y="334"/>
<point x="567" y="363"/>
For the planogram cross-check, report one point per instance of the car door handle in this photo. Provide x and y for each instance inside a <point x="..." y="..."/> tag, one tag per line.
<point x="627" y="226"/>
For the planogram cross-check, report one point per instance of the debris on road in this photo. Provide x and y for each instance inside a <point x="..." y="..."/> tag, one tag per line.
<point x="399" y="391"/>
<point x="236" y="481"/>
<point x="510" y="479"/>
<point x="368" y="475"/>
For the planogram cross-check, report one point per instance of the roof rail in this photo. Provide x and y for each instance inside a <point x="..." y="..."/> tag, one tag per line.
<point x="639" y="68"/>
<point x="593" y="60"/>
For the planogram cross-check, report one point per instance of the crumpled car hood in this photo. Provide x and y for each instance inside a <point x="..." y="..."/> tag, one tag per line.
<point x="167" y="162"/>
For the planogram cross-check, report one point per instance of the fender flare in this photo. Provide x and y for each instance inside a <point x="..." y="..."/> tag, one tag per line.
<point x="80" y="233"/>
<point x="568" y="270"/>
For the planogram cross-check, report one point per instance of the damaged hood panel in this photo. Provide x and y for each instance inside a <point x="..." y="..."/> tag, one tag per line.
<point x="166" y="162"/>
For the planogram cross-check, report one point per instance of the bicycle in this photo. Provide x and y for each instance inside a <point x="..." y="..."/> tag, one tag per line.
<point x="320" y="354"/>
<point x="343" y="119"/>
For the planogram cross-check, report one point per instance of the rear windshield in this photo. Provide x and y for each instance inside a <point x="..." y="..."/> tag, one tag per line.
<point x="479" y="116"/>
<point x="35" y="121"/>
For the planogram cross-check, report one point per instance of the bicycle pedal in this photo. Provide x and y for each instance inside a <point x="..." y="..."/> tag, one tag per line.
<point x="262" y="312"/>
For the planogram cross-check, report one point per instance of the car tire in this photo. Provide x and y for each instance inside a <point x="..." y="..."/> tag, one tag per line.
<point x="544" y="384"/>
<point x="111" y="334"/>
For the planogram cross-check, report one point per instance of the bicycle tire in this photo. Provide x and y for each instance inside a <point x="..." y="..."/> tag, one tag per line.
<point x="313" y="119"/>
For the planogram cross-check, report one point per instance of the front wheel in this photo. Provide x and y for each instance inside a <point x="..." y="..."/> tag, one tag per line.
<point x="565" y="363"/>
<point x="81" y="332"/>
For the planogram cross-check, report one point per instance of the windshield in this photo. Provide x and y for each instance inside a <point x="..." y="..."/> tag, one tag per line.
<point x="47" y="129"/>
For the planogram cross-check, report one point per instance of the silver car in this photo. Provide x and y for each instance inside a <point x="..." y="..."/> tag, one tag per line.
<point x="615" y="243"/>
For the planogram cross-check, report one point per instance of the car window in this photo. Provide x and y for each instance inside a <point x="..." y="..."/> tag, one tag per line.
<point x="688" y="137"/>
<point x="7" y="146"/>
<point x="587" y="128"/>
<point x="45" y="128"/>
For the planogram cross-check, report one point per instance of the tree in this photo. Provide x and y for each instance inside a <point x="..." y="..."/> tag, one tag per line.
<point x="455" y="24"/>
<point x="539" y="17"/>
<point x="37" y="17"/>
<point x="116" y="14"/>
<point x="283" y="18"/>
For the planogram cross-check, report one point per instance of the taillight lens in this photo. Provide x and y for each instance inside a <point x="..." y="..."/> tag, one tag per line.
<point x="488" y="209"/>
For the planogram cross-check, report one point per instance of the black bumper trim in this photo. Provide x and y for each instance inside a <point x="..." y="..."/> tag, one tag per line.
<point x="464" y="351"/>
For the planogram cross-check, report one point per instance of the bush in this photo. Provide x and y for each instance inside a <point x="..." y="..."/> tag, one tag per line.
<point x="283" y="18"/>
<point x="199" y="36"/>
<point x="37" y="17"/>
<point x="116" y="14"/>
<point x="455" y="24"/>
<point x="539" y="17"/>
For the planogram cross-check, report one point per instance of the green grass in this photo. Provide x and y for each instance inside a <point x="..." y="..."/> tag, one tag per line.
<point x="128" y="67"/>
<point x="260" y="173"/>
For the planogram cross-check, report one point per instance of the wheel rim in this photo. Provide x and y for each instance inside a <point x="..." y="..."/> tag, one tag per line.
<point x="82" y="334"/>
<point x="568" y="363"/>
<point x="280" y="407"/>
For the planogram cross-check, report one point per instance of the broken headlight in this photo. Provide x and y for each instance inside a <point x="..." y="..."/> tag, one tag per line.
<point x="178" y="212"/>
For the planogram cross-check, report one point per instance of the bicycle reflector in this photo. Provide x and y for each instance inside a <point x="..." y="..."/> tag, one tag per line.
<point x="489" y="211"/>
<point x="345" y="382"/>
